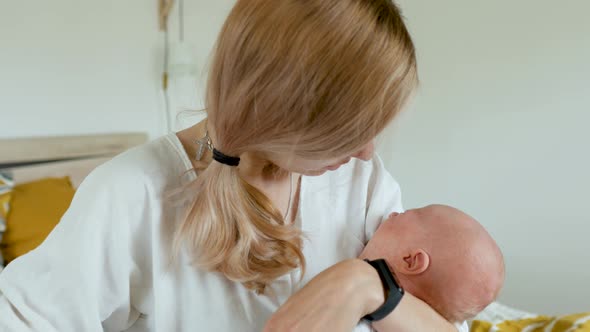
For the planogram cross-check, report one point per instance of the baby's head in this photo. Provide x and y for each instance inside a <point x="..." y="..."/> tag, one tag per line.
<point x="442" y="256"/>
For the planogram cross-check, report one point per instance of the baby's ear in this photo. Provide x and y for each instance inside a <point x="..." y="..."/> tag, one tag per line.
<point x="415" y="262"/>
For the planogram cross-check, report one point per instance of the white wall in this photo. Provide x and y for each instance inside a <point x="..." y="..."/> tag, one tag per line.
<point x="499" y="128"/>
<point x="77" y="67"/>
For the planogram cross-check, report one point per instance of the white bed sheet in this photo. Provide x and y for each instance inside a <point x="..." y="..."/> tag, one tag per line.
<point x="497" y="312"/>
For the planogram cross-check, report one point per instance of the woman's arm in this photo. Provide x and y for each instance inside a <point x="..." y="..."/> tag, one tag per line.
<point x="334" y="300"/>
<point x="337" y="299"/>
<point x="82" y="276"/>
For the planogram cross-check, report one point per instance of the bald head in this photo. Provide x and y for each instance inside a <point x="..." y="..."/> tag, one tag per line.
<point x="443" y="256"/>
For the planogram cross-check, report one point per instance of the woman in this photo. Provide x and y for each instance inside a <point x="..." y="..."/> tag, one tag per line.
<point x="269" y="196"/>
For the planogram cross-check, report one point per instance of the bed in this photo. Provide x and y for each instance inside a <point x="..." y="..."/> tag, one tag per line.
<point x="502" y="318"/>
<point x="75" y="156"/>
<point x="38" y="178"/>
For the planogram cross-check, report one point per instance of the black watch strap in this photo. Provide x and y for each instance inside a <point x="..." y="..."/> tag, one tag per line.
<point x="393" y="291"/>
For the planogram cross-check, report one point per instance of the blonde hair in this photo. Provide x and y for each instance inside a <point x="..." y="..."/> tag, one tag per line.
<point x="316" y="78"/>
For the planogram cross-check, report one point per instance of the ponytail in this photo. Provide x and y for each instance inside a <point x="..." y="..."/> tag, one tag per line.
<point x="233" y="228"/>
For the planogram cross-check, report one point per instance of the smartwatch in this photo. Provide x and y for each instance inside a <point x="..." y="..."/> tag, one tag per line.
<point x="393" y="292"/>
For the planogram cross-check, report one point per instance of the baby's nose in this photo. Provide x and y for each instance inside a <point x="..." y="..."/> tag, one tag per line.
<point x="394" y="214"/>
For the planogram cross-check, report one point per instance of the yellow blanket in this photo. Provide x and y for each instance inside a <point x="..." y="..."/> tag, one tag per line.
<point x="569" y="323"/>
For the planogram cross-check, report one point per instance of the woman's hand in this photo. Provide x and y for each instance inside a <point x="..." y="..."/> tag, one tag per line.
<point x="335" y="300"/>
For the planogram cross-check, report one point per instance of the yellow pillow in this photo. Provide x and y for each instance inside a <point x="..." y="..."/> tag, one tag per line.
<point x="6" y="184"/>
<point x="569" y="323"/>
<point x="35" y="208"/>
<point x="5" y="190"/>
<point x="4" y="206"/>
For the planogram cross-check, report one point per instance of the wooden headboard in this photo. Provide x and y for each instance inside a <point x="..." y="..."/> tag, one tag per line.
<point x="28" y="159"/>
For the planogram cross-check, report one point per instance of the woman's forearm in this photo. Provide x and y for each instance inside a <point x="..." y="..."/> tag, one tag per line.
<point x="412" y="314"/>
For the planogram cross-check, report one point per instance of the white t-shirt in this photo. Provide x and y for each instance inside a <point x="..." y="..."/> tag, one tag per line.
<point x="106" y="266"/>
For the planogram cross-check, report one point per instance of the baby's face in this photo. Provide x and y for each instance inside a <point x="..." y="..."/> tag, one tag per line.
<point x="403" y="224"/>
<point x="431" y="219"/>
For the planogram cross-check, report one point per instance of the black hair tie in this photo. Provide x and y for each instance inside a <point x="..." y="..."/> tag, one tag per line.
<point x="224" y="159"/>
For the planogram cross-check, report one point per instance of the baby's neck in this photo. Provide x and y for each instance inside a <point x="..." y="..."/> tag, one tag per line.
<point x="421" y="286"/>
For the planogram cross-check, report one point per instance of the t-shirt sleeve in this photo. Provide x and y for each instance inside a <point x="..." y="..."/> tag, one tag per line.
<point x="383" y="197"/>
<point x="81" y="278"/>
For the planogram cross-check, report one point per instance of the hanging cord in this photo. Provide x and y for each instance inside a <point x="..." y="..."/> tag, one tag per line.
<point x="181" y="20"/>
<point x="165" y="6"/>
<point x="165" y="73"/>
<point x="165" y="80"/>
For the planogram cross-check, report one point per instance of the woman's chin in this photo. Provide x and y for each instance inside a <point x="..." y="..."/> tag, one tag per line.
<point x="321" y="171"/>
<point x="314" y="173"/>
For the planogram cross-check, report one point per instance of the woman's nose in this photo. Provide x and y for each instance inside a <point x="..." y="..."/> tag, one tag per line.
<point x="366" y="153"/>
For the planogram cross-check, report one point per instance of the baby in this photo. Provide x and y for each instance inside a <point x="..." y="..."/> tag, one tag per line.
<point x="442" y="256"/>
